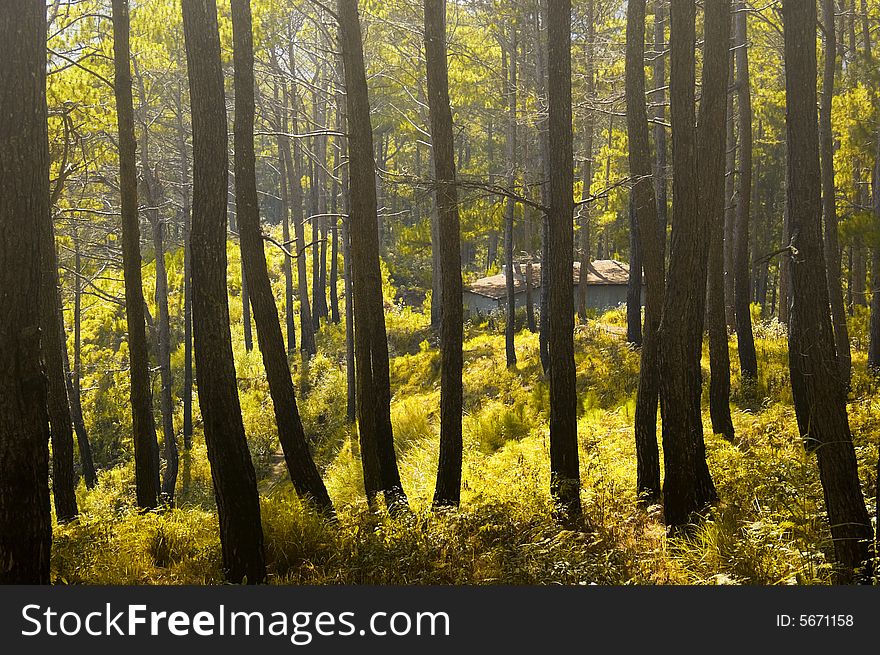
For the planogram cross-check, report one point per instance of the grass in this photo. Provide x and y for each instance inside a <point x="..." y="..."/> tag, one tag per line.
<point x="768" y="528"/>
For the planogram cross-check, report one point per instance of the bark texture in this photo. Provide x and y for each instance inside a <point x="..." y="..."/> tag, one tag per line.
<point x="53" y="348"/>
<point x="300" y="465"/>
<point x="742" y="283"/>
<point x="448" y="488"/>
<point x="819" y="394"/>
<point x="645" y="207"/>
<point x="146" y="447"/>
<point x="712" y="136"/>
<point x="687" y="486"/>
<point x="371" y="342"/>
<point x="565" y="481"/>
<point x="235" y="485"/>
<point x="25" y="512"/>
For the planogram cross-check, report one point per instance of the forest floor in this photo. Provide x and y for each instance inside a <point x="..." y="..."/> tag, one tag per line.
<point x="768" y="527"/>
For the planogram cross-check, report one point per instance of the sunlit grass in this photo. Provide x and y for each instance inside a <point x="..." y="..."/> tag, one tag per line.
<point x="768" y="528"/>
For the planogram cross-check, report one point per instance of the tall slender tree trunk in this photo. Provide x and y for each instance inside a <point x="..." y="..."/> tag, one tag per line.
<point x="785" y="272"/>
<point x="146" y="447"/>
<point x="300" y="464"/>
<point x="874" y="339"/>
<point x="318" y="189"/>
<point x="371" y="341"/>
<point x="74" y="375"/>
<point x="284" y="182"/>
<point x="25" y="512"/>
<point x="829" y="201"/>
<point x="53" y="346"/>
<point x="235" y="484"/>
<point x="510" y="205"/>
<point x="646" y="211"/>
<point x="634" y="287"/>
<point x="730" y="201"/>
<point x="247" y="327"/>
<point x="565" y="481"/>
<point x="541" y="72"/>
<point x="320" y="283"/>
<point x="874" y="325"/>
<point x="294" y="189"/>
<point x="347" y="282"/>
<point x="492" y="240"/>
<point x="287" y="265"/>
<point x="350" y="381"/>
<point x="152" y="195"/>
<point x="448" y="488"/>
<point x="712" y="135"/>
<point x="818" y="391"/>
<point x="658" y="97"/>
<point x="334" y="229"/>
<point x="187" y="391"/>
<point x="589" y="128"/>
<point x="163" y="353"/>
<point x="436" y="264"/>
<point x="748" y="359"/>
<point x="688" y="485"/>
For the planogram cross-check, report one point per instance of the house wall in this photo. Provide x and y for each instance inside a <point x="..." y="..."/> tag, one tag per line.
<point x="477" y="304"/>
<point x="599" y="296"/>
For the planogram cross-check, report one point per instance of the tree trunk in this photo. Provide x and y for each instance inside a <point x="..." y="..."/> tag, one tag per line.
<point x="320" y="281"/>
<point x="448" y="488"/>
<point x="300" y="464"/>
<point x="246" y="310"/>
<point x="730" y="203"/>
<point x="287" y="265"/>
<point x="294" y="190"/>
<point x="350" y="379"/>
<point x="565" y="481"/>
<point x="153" y="198"/>
<point x="659" y="100"/>
<point x="492" y="240"/>
<point x="316" y="193"/>
<point x="874" y="339"/>
<point x="829" y="201"/>
<point x="748" y="359"/>
<point x="163" y="352"/>
<point x="284" y="177"/>
<point x="541" y="72"/>
<point x="589" y="127"/>
<point x="646" y="211"/>
<point x="785" y="272"/>
<point x="334" y="230"/>
<point x="712" y="136"/>
<point x="510" y="205"/>
<point x="819" y="395"/>
<point x="874" y="326"/>
<point x="74" y="375"/>
<point x="235" y="485"/>
<point x="187" y="392"/>
<point x="436" y="265"/>
<point x="25" y="512"/>
<point x="371" y="342"/>
<point x="350" y="382"/>
<point x="687" y="486"/>
<point x="634" y="287"/>
<point x="146" y="447"/>
<point x="53" y="346"/>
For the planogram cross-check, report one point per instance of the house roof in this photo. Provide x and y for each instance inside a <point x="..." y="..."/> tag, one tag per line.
<point x="601" y="272"/>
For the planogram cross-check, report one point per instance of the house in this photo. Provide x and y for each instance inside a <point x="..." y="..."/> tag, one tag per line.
<point x="607" y="281"/>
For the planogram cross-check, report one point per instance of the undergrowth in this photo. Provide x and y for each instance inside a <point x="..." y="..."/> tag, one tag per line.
<point x="768" y="528"/>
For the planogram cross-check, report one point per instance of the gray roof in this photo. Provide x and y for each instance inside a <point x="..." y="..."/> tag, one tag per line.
<point x="601" y="272"/>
